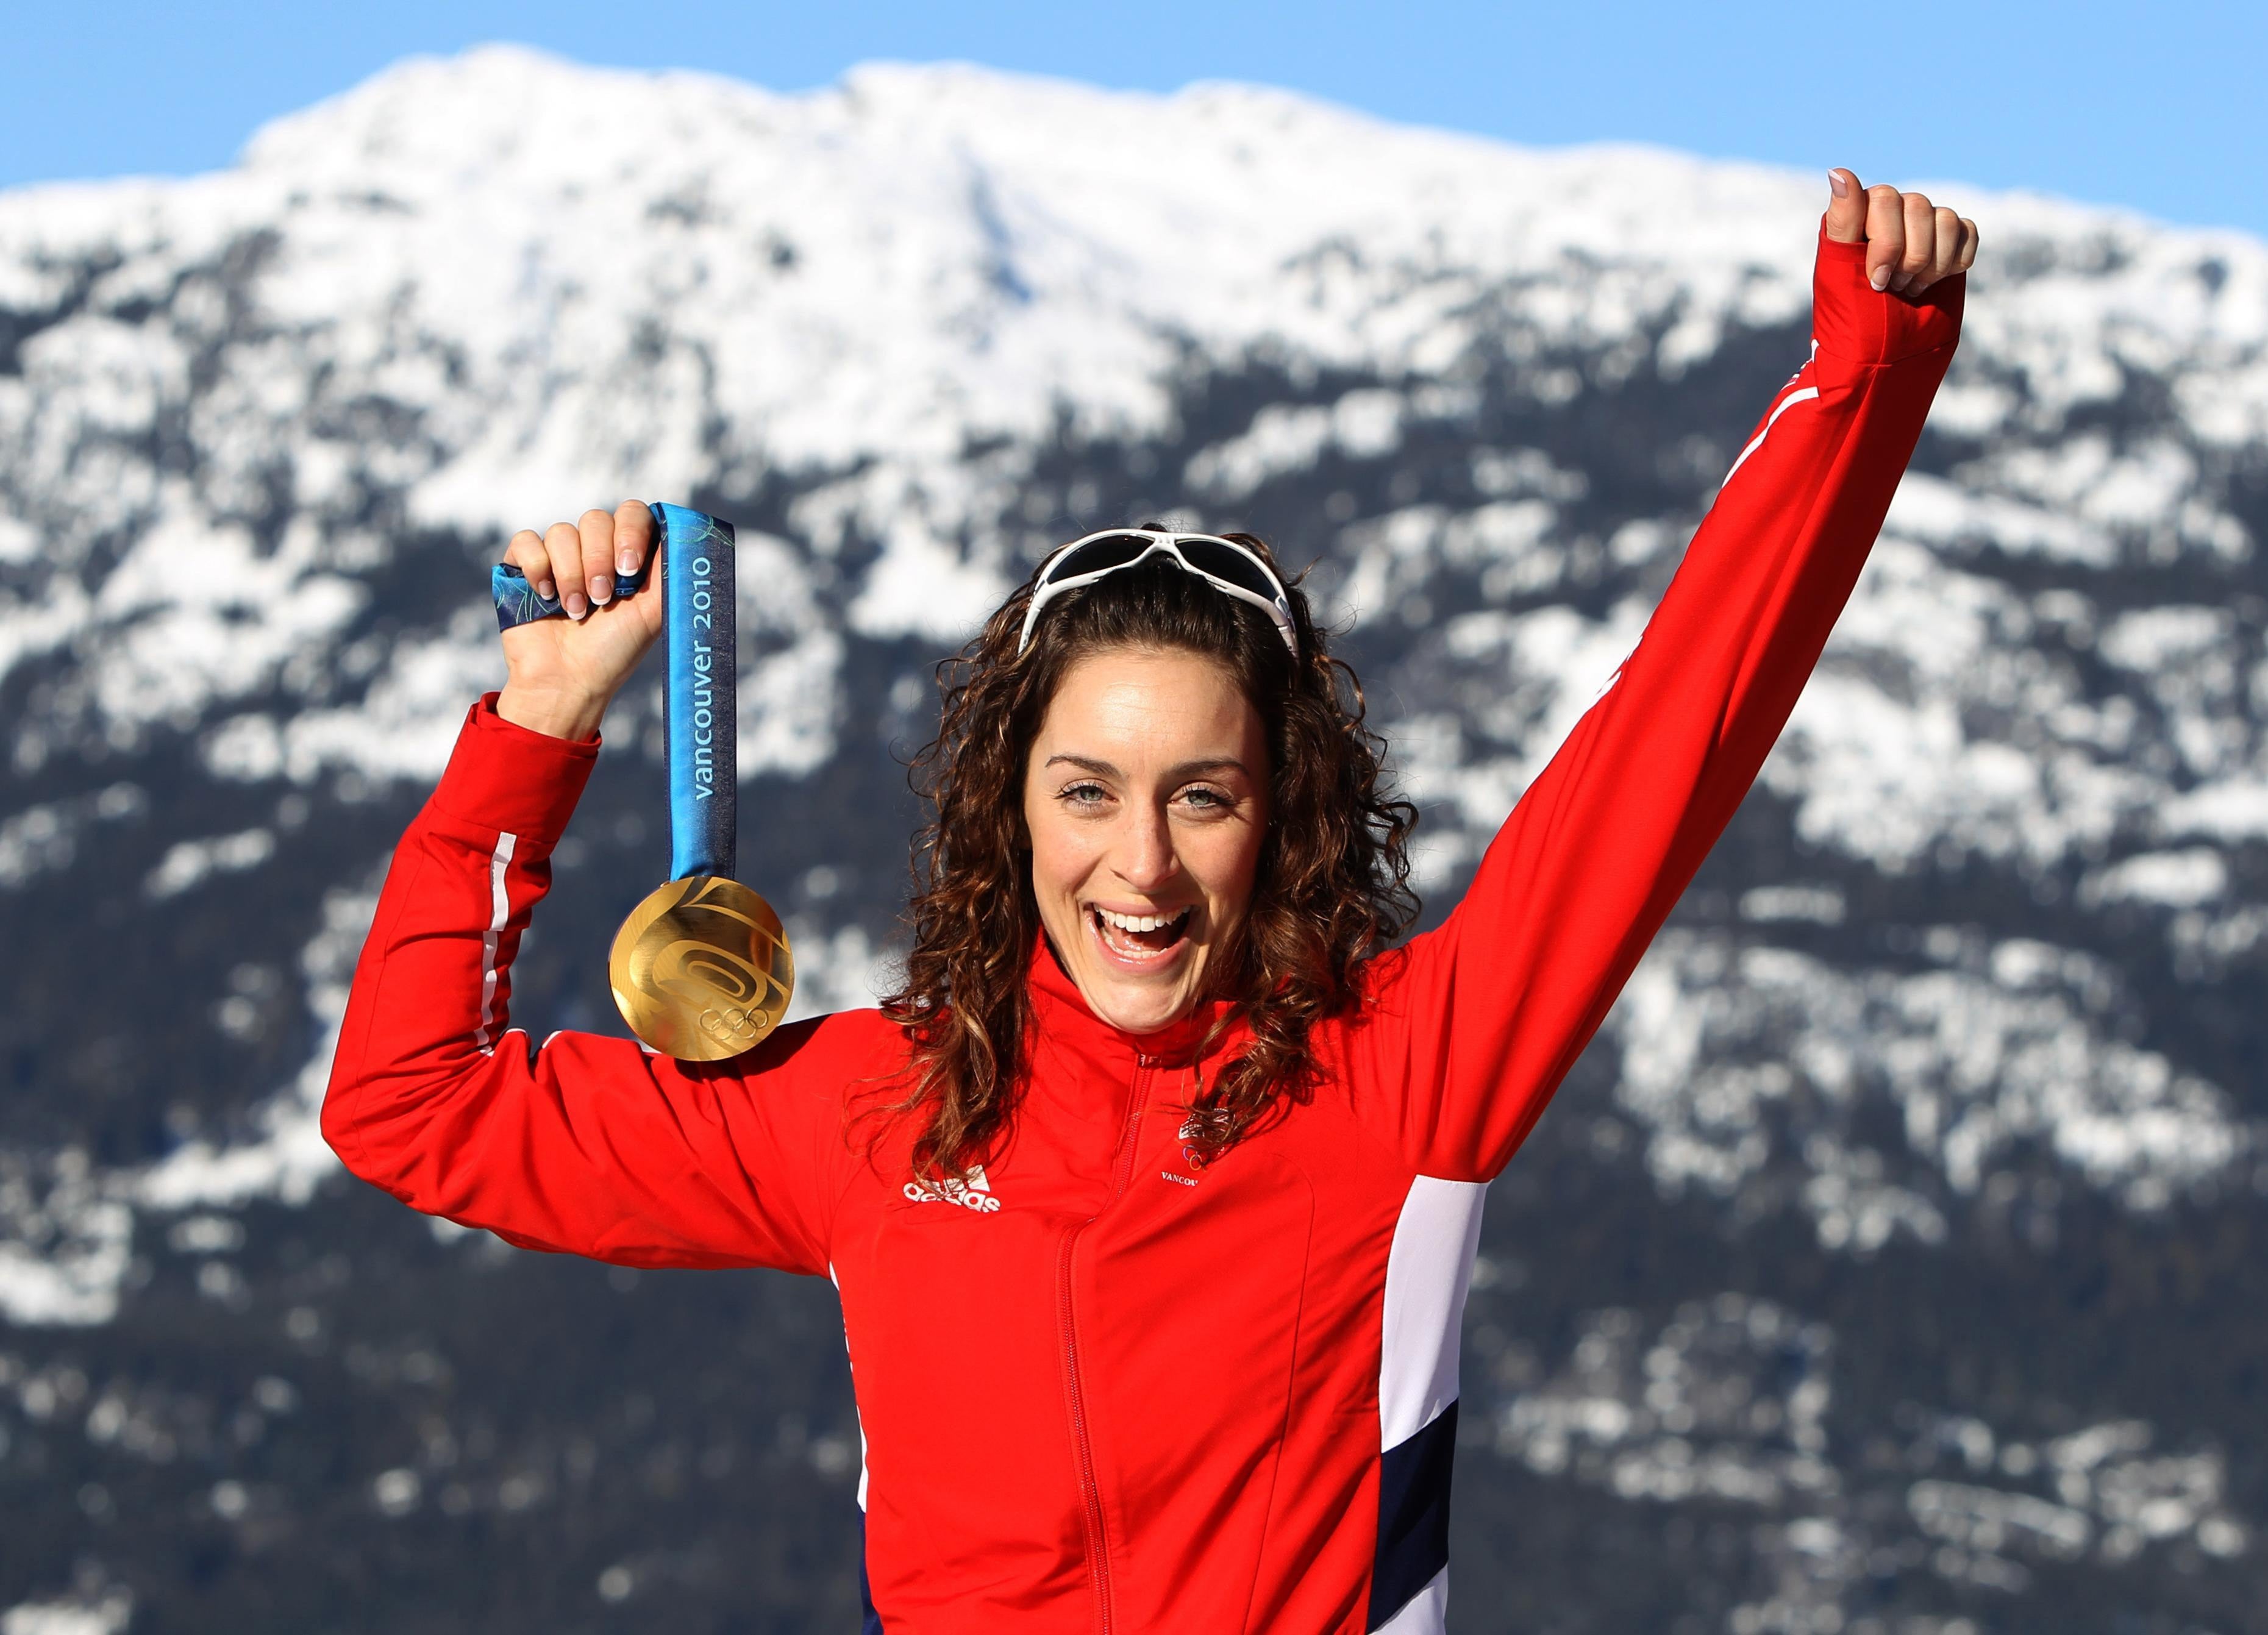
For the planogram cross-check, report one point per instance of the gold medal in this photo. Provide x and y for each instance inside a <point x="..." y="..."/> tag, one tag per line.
<point x="701" y="969"/>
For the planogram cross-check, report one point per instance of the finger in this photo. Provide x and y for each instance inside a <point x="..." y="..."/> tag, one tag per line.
<point x="1921" y="244"/>
<point x="1969" y="237"/>
<point x="563" y="542"/>
<point x="633" y="537"/>
<point x="597" y="528"/>
<point x="1845" y="220"/>
<point x="1886" y="233"/>
<point x="1948" y="241"/>
<point x="526" y="553"/>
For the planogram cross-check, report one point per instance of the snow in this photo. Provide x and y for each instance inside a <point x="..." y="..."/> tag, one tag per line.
<point x="188" y="863"/>
<point x="1727" y="1400"/>
<point x="880" y="276"/>
<point x="1821" y="905"/>
<point x="1736" y="1058"/>
<point x="1365" y="424"/>
<point x="288" y="1158"/>
<point x="64" y="1240"/>
<point x="402" y="728"/>
<point x="43" y="838"/>
<point x="2179" y="880"/>
<point x="452" y="300"/>
<point x="109" y="1614"/>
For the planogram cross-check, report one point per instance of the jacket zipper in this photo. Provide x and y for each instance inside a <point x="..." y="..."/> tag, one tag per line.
<point x="1098" y="1553"/>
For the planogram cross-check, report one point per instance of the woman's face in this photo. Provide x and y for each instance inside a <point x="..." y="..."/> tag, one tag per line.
<point x="1145" y="797"/>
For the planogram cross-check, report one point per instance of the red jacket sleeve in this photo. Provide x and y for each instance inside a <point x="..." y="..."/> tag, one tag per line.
<point x="588" y="1145"/>
<point x="1468" y="1030"/>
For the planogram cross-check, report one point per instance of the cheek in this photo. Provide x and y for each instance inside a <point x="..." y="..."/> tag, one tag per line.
<point x="1060" y="862"/>
<point x="1227" y="864"/>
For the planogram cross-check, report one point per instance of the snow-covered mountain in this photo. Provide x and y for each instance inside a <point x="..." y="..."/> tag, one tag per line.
<point x="1884" y="1267"/>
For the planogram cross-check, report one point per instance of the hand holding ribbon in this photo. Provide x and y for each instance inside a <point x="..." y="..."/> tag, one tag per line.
<point x="565" y="670"/>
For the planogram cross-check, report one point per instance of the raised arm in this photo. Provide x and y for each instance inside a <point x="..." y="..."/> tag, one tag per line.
<point x="1470" y="1028"/>
<point x="588" y="1144"/>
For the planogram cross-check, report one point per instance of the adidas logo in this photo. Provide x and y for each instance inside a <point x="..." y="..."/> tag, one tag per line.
<point x="975" y="1193"/>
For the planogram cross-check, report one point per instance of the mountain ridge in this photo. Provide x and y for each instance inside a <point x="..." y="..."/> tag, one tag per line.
<point x="1829" y="1297"/>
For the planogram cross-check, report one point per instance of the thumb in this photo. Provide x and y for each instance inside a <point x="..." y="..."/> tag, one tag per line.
<point x="1845" y="220"/>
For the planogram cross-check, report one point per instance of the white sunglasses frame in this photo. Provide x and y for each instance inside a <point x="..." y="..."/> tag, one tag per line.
<point x="1045" y="591"/>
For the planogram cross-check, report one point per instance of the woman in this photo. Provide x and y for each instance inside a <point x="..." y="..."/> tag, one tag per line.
<point x="1152" y="1196"/>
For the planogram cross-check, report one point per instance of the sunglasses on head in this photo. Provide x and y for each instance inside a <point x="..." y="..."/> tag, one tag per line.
<point x="1231" y="568"/>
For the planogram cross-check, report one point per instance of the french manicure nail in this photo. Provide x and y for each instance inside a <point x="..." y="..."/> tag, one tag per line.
<point x="1837" y="185"/>
<point x="547" y="591"/>
<point x="578" y="604"/>
<point x="1880" y="278"/>
<point x="627" y="564"/>
<point x="602" y="589"/>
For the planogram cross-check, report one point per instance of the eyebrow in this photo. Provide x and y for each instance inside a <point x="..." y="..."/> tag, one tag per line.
<point x="1188" y="769"/>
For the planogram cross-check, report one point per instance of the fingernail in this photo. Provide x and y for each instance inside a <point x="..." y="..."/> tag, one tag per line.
<point x="602" y="589"/>
<point x="627" y="564"/>
<point x="1880" y="278"/>
<point x="547" y="591"/>
<point x="1837" y="185"/>
<point x="578" y="604"/>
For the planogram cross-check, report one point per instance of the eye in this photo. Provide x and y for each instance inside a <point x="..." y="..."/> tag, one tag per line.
<point x="1204" y="799"/>
<point x="1084" y="795"/>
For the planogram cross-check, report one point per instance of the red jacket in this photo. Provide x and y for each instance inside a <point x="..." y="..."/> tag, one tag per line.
<point x="1100" y="1390"/>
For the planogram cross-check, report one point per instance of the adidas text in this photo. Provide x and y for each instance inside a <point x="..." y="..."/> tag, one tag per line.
<point x="975" y="1193"/>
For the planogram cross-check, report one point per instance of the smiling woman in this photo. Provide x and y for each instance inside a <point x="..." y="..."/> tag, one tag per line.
<point x="1179" y="1351"/>
<point x="1200" y="818"/>
<point x="1145" y="797"/>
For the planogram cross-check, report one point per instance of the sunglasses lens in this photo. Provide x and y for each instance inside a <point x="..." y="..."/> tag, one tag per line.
<point x="1114" y="550"/>
<point x="1224" y="562"/>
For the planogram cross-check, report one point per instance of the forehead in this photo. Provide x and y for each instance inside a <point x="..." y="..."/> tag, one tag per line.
<point x="1129" y="702"/>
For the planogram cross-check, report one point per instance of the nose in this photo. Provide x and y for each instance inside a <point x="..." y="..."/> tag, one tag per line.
<point x="1146" y="860"/>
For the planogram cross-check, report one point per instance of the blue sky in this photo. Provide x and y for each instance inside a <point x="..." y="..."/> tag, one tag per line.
<point x="2153" y="107"/>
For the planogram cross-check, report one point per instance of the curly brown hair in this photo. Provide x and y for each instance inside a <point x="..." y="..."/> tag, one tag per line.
<point x="1332" y="887"/>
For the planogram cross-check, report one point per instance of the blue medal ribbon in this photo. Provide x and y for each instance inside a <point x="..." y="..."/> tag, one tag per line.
<point x="700" y="722"/>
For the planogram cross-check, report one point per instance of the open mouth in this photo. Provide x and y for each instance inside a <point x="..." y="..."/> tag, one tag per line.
<point x="1140" y="938"/>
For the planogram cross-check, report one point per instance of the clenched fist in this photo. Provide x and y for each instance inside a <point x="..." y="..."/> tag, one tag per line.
<point x="1910" y="243"/>
<point x="564" y="672"/>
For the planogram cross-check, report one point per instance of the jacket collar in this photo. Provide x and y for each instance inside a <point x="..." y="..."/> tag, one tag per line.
<point x="1067" y="1021"/>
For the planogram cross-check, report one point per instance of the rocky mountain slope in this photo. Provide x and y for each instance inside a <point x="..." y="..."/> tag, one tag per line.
<point x="1888" y="1265"/>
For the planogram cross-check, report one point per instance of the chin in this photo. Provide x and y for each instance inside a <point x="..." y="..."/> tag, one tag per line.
<point x="1142" y="1012"/>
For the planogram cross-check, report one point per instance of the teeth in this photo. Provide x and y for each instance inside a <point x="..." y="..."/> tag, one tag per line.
<point x="1140" y="921"/>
